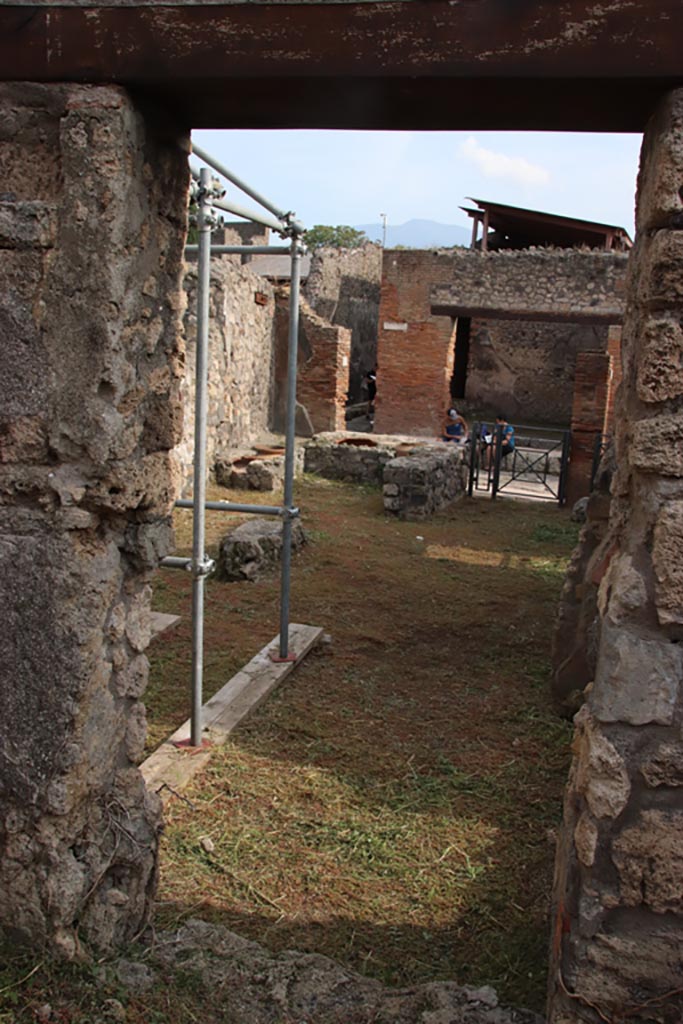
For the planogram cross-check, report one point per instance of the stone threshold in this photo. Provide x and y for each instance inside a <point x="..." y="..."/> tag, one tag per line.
<point x="171" y="767"/>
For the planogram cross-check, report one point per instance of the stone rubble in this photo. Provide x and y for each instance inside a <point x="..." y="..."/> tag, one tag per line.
<point x="254" y="548"/>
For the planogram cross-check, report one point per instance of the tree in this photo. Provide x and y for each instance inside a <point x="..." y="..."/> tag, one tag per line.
<point x="340" y="236"/>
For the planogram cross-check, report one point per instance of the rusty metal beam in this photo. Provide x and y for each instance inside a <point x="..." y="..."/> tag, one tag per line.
<point x="568" y="64"/>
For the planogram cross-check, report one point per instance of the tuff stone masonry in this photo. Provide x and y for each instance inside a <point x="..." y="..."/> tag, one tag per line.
<point x="618" y="898"/>
<point x="240" y="365"/>
<point x="92" y="227"/>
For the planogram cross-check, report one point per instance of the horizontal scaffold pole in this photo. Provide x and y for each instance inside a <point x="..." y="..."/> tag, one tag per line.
<point x="242" y="250"/>
<point x="241" y="185"/>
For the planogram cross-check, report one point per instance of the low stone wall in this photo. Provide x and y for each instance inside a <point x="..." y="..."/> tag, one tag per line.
<point x="355" y="458"/>
<point x="418" y="478"/>
<point x="425" y="481"/>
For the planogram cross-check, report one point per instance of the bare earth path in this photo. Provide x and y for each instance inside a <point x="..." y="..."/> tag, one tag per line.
<point x="394" y="805"/>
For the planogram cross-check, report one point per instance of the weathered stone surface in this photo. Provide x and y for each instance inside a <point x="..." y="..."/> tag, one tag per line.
<point x="665" y="766"/>
<point x="667" y="558"/>
<point x="659" y="265"/>
<point x="255" y="547"/>
<point x="637" y="680"/>
<point x="618" y="893"/>
<point x="660" y="363"/>
<point x="425" y="480"/>
<point x="240" y="384"/>
<point x="87" y="420"/>
<point x="659" y="203"/>
<point x="656" y="446"/>
<point x="649" y="859"/>
<point x="601" y="775"/>
<point x="343" y="286"/>
<point x="356" y="458"/>
<point x="263" y="988"/>
<point x="579" y="510"/>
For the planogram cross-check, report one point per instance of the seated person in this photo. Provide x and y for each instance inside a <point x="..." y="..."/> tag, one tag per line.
<point x="508" y="435"/>
<point x="454" y="428"/>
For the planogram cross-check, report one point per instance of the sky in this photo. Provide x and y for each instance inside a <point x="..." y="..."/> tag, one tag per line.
<point x="351" y="177"/>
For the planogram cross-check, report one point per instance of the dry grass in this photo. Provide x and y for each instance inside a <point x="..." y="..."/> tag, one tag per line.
<point x="391" y="805"/>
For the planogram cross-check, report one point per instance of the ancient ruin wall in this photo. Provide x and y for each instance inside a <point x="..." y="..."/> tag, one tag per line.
<point x="527" y="369"/>
<point x="322" y="369"/>
<point x="343" y="287"/>
<point x="529" y="284"/>
<point x="240" y="365"/>
<point x="92" y="222"/>
<point x="618" y="929"/>
<point x="414" y="348"/>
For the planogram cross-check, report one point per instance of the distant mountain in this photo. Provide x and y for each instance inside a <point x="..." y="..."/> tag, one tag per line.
<point x="419" y="234"/>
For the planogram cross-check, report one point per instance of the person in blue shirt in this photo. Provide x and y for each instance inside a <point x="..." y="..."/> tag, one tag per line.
<point x="508" y="435"/>
<point x="454" y="428"/>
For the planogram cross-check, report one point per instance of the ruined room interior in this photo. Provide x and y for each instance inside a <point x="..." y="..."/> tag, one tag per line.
<point x="94" y="141"/>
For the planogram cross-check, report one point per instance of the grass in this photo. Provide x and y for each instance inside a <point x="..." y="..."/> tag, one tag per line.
<point x="394" y="804"/>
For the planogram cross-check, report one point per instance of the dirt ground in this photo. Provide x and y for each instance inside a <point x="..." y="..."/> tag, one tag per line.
<point x="394" y="804"/>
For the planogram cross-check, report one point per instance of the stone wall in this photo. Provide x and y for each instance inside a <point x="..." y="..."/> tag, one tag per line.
<point x="526" y="368"/>
<point x="532" y="312"/>
<point x="425" y="480"/>
<point x="575" y="285"/>
<point x="241" y="327"/>
<point x="92" y="227"/>
<point x="343" y="287"/>
<point x="618" y="899"/>
<point x="354" y="458"/>
<point x="322" y="369"/>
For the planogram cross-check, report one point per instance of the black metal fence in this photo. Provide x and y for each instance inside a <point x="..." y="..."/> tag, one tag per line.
<point x="536" y="467"/>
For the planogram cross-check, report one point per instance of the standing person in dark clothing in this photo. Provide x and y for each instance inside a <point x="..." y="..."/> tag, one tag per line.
<point x="371" y="380"/>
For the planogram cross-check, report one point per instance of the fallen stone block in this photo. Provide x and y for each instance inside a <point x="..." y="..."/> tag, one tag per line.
<point x="254" y="548"/>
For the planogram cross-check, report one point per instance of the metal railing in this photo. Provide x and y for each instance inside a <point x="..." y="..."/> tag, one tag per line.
<point x="536" y="467"/>
<point x="208" y="193"/>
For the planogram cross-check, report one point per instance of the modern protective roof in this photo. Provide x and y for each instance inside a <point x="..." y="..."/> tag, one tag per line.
<point x="518" y="228"/>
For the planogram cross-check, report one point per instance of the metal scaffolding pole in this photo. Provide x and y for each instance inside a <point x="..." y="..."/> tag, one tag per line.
<point x="200" y="565"/>
<point x="289" y="445"/>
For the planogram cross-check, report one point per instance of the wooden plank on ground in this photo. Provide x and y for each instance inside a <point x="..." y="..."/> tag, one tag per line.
<point x="170" y="767"/>
<point x="161" y="621"/>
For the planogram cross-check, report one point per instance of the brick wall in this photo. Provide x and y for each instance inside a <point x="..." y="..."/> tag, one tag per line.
<point x="322" y="373"/>
<point x="415" y="349"/>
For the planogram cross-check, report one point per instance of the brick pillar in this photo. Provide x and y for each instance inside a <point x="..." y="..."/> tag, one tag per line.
<point x="589" y="410"/>
<point x="415" y="350"/>
<point x="92" y="222"/>
<point x="618" y="899"/>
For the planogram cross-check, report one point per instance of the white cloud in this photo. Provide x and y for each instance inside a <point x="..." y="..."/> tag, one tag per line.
<point x="498" y="165"/>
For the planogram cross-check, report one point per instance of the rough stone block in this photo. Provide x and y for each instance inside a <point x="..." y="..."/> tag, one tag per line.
<point x="664" y="767"/>
<point x="660" y="202"/>
<point x="265" y="474"/>
<point x="601" y="774"/>
<point x="656" y="445"/>
<point x="255" y="547"/>
<point x="659" y="269"/>
<point x="637" y="680"/>
<point x="649" y="859"/>
<point x="660" y="359"/>
<point x="667" y="558"/>
<point x="27" y="225"/>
